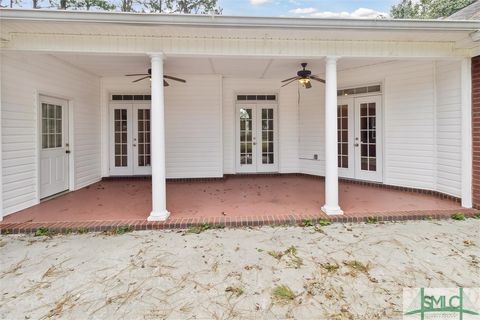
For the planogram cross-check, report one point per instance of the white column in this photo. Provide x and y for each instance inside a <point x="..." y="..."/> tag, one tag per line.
<point x="157" y="142"/>
<point x="331" y="206"/>
<point x="467" y="159"/>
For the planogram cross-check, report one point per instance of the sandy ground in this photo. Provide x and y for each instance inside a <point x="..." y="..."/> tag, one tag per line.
<point x="231" y="274"/>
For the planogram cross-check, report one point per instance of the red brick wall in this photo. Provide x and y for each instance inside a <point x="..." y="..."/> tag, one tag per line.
<point x="476" y="129"/>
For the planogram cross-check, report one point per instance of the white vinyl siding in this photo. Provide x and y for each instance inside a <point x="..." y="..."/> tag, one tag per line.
<point x="287" y="119"/>
<point x="193" y="123"/>
<point x="23" y="77"/>
<point x="422" y="125"/>
<point x="449" y="117"/>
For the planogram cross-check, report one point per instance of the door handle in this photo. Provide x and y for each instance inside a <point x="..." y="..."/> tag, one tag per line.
<point x="254" y="143"/>
<point x="356" y="144"/>
<point x="134" y="145"/>
<point x="67" y="151"/>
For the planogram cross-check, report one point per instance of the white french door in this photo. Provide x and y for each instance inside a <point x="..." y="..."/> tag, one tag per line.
<point x="54" y="146"/>
<point x="360" y="146"/>
<point x="130" y="139"/>
<point x="256" y="138"/>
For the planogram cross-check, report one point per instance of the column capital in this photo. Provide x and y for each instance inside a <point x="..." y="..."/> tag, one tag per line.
<point x="331" y="59"/>
<point x="157" y="55"/>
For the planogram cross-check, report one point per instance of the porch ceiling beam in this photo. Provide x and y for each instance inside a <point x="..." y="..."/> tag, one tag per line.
<point x="272" y="48"/>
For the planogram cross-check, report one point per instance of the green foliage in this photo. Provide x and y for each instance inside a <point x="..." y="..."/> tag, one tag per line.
<point x="458" y="216"/>
<point x="477" y="215"/>
<point x="372" y="220"/>
<point x="43" y="232"/>
<point x="324" y="222"/>
<point x="199" y="229"/>
<point x="330" y="267"/>
<point x="283" y="292"/>
<point x="307" y="223"/>
<point x="427" y="9"/>
<point x="82" y="230"/>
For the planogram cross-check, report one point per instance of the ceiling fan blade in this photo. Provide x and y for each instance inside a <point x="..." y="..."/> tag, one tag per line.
<point x="289" y="82"/>
<point x="165" y="83"/>
<point x="173" y="78"/>
<point x="141" y="79"/>
<point x="308" y="85"/>
<point x="293" y="78"/>
<point x="316" y="78"/>
<point x="136" y="74"/>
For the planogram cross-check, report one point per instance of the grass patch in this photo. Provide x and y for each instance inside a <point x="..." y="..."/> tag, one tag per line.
<point x="476" y="215"/>
<point x="123" y="229"/>
<point x="307" y="223"/>
<point x="283" y="292"/>
<point x="276" y="254"/>
<point x="356" y="265"/>
<point x="458" y="216"/>
<point x="293" y="261"/>
<point x="82" y="230"/>
<point x="324" y="222"/>
<point x="372" y="220"/>
<point x="44" y="232"/>
<point x="330" y="267"/>
<point x="235" y="291"/>
<point x="199" y="229"/>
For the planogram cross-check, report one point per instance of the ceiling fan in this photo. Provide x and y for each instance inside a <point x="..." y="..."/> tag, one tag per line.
<point x="303" y="76"/>
<point x="149" y="76"/>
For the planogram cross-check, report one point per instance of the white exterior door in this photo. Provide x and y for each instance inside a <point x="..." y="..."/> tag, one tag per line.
<point x="256" y="138"/>
<point x="360" y="147"/>
<point x="54" y="151"/>
<point x="130" y="139"/>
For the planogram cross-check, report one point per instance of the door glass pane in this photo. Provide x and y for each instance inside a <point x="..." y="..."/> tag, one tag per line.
<point x="267" y="136"/>
<point x="120" y="136"/>
<point x="342" y="119"/>
<point x="368" y="133"/>
<point x="246" y="141"/>
<point x="52" y="126"/>
<point x="143" y="116"/>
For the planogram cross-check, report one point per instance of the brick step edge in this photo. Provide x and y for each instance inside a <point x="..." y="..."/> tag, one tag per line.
<point x="222" y="222"/>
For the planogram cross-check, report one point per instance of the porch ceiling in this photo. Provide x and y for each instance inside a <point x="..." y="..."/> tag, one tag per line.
<point x="254" y="68"/>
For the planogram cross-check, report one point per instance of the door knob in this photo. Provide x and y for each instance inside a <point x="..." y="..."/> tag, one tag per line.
<point x="67" y="151"/>
<point x="356" y="144"/>
<point x="134" y="145"/>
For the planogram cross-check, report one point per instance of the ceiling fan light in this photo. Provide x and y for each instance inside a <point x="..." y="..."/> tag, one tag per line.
<point x="304" y="81"/>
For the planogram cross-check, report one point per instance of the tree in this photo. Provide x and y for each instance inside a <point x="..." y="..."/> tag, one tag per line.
<point x="181" y="6"/>
<point x="93" y="4"/>
<point x="427" y="9"/>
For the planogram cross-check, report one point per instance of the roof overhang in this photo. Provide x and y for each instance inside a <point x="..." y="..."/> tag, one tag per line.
<point x="137" y="33"/>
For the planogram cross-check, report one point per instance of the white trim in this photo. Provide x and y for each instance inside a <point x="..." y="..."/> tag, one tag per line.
<point x="71" y="162"/>
<point x="235" y="21"/>
<point x="1" y="154"/>
<point x="467" y="170"/>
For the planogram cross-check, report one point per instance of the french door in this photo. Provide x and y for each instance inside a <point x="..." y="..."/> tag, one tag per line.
<point x="360" y="138"/>
<point x="130" y="139"/>
<point x="256" y="138"/>
<point x="54" y="146"/>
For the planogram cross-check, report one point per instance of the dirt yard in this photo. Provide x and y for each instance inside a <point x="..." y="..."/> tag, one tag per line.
<point x="332" y="272"/>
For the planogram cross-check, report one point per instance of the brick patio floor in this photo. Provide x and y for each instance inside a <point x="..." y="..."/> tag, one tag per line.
<point x="234" y="201"/>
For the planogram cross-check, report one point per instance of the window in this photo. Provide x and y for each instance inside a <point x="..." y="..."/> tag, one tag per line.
<point x="342" y="129"/>
<point x="359" y="90"/>
<point x="260" y="97"/>
<point x="51" y="126"/>
<point x="129" y="97"/>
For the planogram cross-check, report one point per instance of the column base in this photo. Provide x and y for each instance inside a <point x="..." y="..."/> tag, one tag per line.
<point x="332" y="211"/>
<point x="158" y="216"/>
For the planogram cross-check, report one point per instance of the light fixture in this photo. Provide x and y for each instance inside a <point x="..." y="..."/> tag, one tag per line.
<point x="304" y="81"/>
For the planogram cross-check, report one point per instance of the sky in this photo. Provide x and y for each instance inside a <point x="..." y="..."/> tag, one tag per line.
<point x="308" y="8"/>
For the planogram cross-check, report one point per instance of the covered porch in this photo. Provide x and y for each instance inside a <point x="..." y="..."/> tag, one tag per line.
<point x="396" y="113"/>
<point x="254" y="199"/>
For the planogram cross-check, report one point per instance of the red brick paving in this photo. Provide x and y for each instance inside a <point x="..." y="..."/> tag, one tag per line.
<point x="232" y="202"/>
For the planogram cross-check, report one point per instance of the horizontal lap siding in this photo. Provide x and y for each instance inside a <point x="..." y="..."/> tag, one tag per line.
<point x="312" y="130"/>
<point x="476" y="129"/>
<point x="410" y="125"/>
<point x="193" y="115"/>
<point x="22" y="76"/>
<point x="449" y="138"/>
